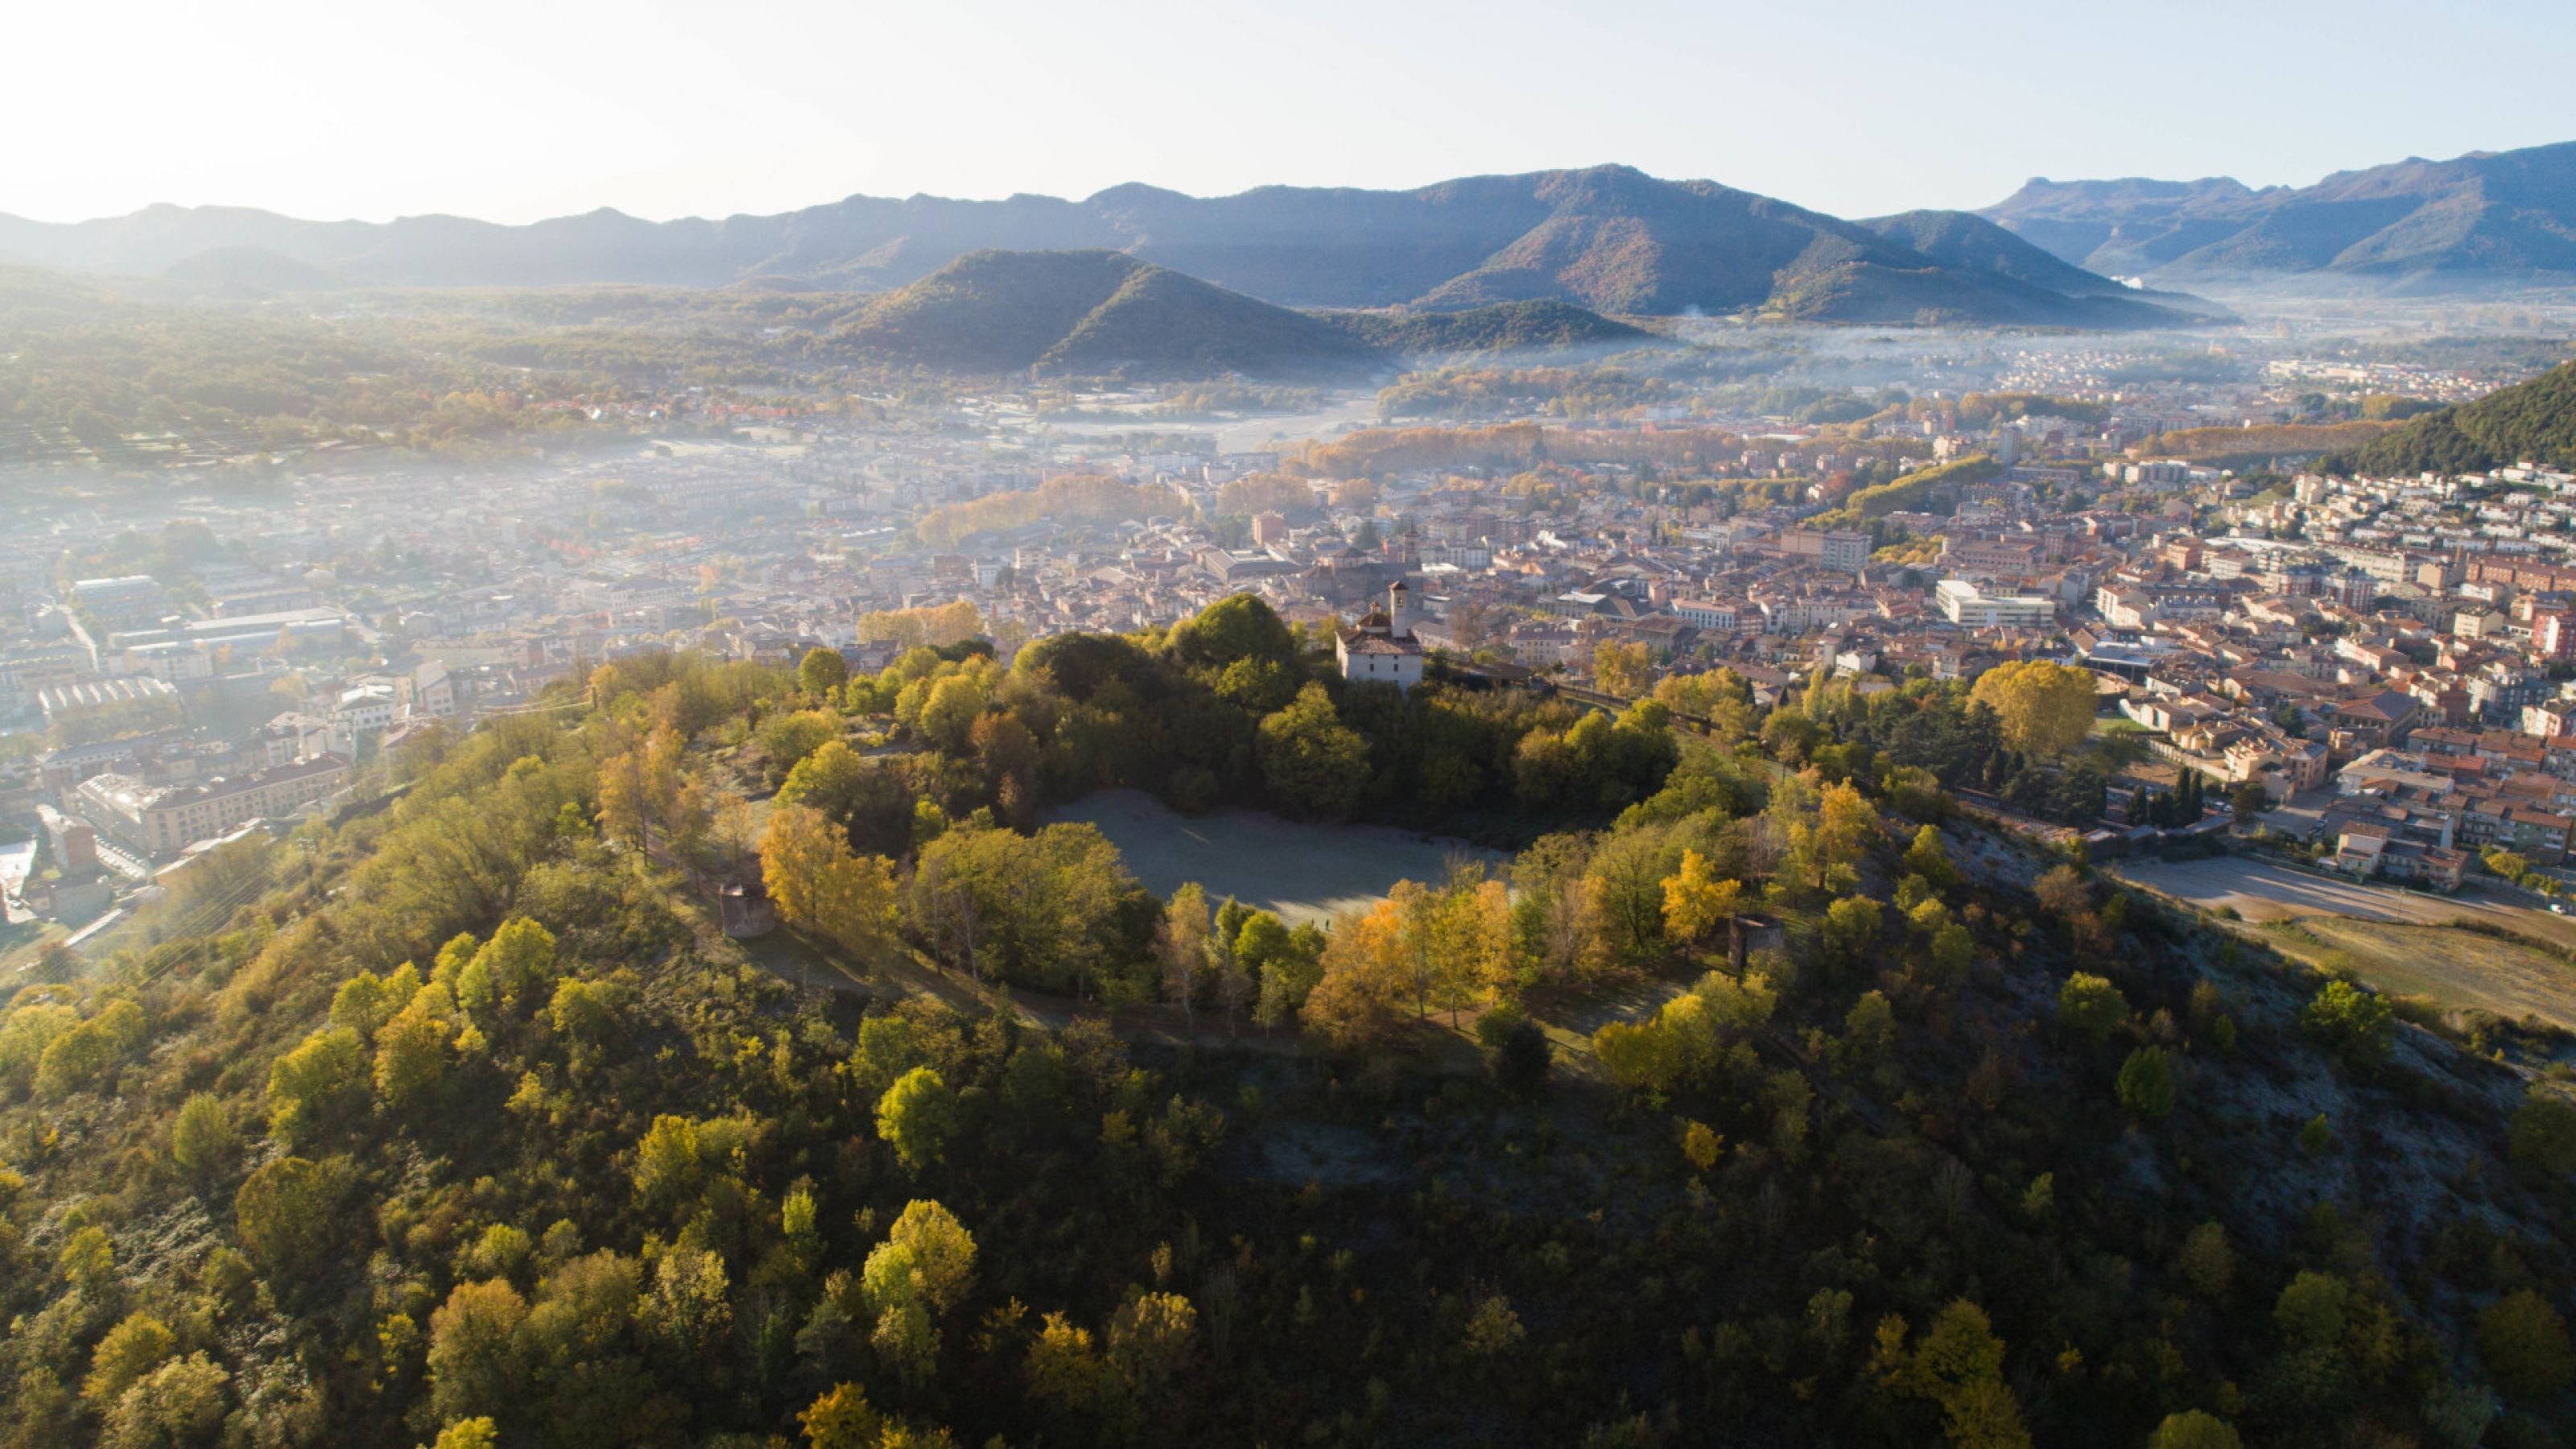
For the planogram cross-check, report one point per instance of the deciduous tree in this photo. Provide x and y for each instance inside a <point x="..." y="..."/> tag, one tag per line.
<point x="2045" y="708"/>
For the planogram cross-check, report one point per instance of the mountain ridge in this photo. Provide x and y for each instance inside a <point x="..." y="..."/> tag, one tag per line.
<point x="1610" y="239"/>
<point x="1102" y="311"/>
<point x="2482" y="216"/>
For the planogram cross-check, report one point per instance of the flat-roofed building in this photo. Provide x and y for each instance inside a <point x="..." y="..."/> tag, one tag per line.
<point x="1969" y="607"/>
<point x="161" y="820"/>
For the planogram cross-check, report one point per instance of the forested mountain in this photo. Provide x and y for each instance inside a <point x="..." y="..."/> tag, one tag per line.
<point x="2531" y="421"/>
<point x="1102" y="311"/>
<point x="1608" y="238"/>
<point x="1762" y="1099"/>
<point x="1092" y="311"/>
<point x="2506" y="216"/>
<point x="1969" y="242"/>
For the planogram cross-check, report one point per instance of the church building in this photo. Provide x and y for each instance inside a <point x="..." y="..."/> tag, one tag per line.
<point x="1381" y="649"/>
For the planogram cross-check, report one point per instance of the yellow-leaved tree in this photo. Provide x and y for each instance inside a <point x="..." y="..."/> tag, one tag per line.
<point x="818" y="882"/>
<point x="1696" y="901"/>
<point x="2045" y="708"/>
<point x="1625" y="669"/>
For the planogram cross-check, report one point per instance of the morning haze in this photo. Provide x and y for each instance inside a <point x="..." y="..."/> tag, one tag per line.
<point x="1702" y="725"/>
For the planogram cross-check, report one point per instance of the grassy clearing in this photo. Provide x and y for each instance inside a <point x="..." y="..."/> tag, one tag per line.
<point x="1303" y="872"/>
<point x="2458" y="970"/>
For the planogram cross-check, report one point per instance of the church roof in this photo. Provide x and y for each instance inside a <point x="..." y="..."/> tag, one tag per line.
<point x="1379" y="644"/>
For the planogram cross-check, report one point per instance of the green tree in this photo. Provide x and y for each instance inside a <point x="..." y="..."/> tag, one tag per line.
<point x="2146" y="1084"/>
<point x="475" y="1433"/>
<point x="1960" y="1367"/>
<point x="2524" y="1342"/>
<point x="917" y="1274"/>
<point x="1234" y="629"/>
<point x="1493" y="1329"/>
<point x="948" y="713"/>
<point x="1065" y="1368"/>
<point x="1181" y="946"/>
<point x="81" y="1057"/>
<point x="181" y="1403"/>
<point x="690" y="1305"/>
<point x="1310" y="759"/>
<point x="2311" y="1310"/>
<point x="413" y="1049"/>
<point x="475" y="1367"/>
<point x="318" y="1086"/>
<point x="515" y="970"/>
<point x="1869" y="1028"/>
<point x="1928" y="858"/>
<point x="2352" y="1022"/>
<point x="288" y="1212"/>
<point x="822" y="671"/>
<point x="829" y="780"/>
<point x="1285" y="963"/>
<point x="1851" y="929"/>
<point x="88" y="1261"/>
<point x="1151" y="1338"/>
<point x="202" y="1139"/>
<point x="2248" y="802"/>
<point x="2206" y="1261"/>
<point x="130" y="1350"/>
<point x="917" y="1115"/>
<point x="2091" y="1006"/>
<point x="2192" y="1429"/>
<point x="2544" y="1133"/>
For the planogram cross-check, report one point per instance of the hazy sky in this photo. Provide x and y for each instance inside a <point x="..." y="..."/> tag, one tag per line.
<point x="543" y="107"/>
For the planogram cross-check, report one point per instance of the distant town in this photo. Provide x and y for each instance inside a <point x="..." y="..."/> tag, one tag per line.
<point x="2384" y="661"/>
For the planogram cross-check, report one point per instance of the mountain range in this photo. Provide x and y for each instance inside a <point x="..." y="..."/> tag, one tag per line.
<point x="1609" y="238"/>
<point x="2484" y="218"/>
<point x="1100" y="311"/>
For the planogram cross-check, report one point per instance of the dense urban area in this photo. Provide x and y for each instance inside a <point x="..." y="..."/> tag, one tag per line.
<point x="2384" y="658"/>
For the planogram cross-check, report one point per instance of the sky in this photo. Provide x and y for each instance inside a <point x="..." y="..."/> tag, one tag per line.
<point x="537" y="108"/>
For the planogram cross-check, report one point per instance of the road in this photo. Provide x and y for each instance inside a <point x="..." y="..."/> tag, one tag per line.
<point x="2260" y="890"/>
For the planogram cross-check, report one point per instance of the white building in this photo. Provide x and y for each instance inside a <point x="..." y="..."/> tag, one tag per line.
<point x="1381" y="649"/>
<point x="1706" y="614"/>
<point x="364" y="709"/>
<point x="1970" y="607"/>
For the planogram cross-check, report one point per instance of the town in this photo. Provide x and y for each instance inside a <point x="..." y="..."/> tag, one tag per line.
<point x="2370" y="673"/>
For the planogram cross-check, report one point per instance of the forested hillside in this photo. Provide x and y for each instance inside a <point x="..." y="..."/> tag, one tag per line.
<point x="2532" y="421"/>
<point x="1762" y="1099"/>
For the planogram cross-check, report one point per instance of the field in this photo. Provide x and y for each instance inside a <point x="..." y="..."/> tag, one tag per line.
<point x="1303" y="872"/>
<point x="2397" y="941"/>
<point x="2459" y="969"/>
